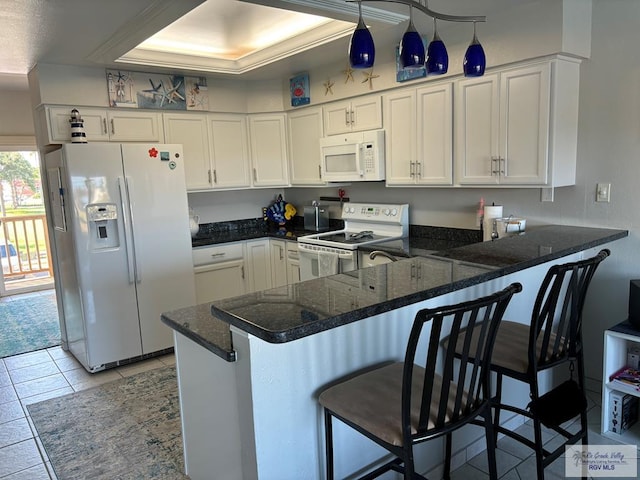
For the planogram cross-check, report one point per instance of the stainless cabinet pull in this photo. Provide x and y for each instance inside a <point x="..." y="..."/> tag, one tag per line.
<point x="209" y="176"/>
<point x="220" y="254"/>
<point x="104" y="126"/>
<point x="346" y="116"/>
<point x="495" y="170"/>
<point x="255" y="175"/>
<point x="503" y="168"/>
<point x="352" y="119"/>
<point x="215" y="176"/>
<point x="320" y="172"/>
<point x="411" y="169"/>
<point x="242" y="271"/>
<point x="281" y="253"/>
<point x="419" y="169"/>
<point x="113" y="127"/>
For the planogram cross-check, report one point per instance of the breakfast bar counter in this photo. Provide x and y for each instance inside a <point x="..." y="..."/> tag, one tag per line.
<point x="250" y="371"/>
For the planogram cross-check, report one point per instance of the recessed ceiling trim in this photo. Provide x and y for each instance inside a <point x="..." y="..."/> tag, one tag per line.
<point x="140" y="27"/>
<point x="313" y="38"/>
<point x="344" y="10"/>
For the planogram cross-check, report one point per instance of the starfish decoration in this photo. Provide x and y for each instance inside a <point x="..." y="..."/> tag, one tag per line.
<point x="348" y="74"/>
<point x="328" y="86"/>
<point x="368" y="77"/>
<point x="173" y="92"/>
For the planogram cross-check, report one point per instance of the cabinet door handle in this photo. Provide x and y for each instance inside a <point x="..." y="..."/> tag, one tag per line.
<point x="495" y="170"/>
<point x="209" y="176"/>
<point x="503" y="166"/>
<point x="220" y="254"/>
<point x="346" y="116"/>
<point x="113" y="127"/>
<point x="104" y="126"/>
<point x="255" y="175"/>
<point x="242" y="271"/>
<point x="419" y="169"/>
<point x="411" y="169"/>
<point x="320" y="172"/>
<point x="215" y="176"/>
<point x="352" y="119"/>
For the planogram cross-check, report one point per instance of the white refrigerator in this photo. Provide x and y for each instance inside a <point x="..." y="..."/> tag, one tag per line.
<point x="122" y="248"/>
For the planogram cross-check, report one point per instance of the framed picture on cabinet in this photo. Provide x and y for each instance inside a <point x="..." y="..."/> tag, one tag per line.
<point x="299" y="88"/>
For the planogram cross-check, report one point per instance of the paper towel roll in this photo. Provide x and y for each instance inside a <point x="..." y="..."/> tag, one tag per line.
<point x="491" y="212"/>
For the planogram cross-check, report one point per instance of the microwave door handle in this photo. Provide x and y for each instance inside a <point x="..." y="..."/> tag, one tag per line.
<point x="359" y="149"/>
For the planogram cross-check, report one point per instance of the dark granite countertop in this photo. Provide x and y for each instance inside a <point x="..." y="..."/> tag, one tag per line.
<point x="294" y="311"/>
<point x="198" y="324"/>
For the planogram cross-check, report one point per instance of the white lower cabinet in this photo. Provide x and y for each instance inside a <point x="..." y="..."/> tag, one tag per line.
<point x="293" y="263"/>
<point x="219" y="272"/>
<point x="278" y="262"/>
<point x="258" y="257"/>
<point x="232" y="269"/>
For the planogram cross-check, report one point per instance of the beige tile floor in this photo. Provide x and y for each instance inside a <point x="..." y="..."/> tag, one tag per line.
<point x="36" y="376"/>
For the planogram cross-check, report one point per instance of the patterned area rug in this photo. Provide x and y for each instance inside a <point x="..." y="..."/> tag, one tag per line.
<point x="28" y="323"/>
<point x="123" y="430"/>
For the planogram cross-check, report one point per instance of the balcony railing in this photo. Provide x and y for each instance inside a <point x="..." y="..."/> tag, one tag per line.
<point x="24" y="246"/>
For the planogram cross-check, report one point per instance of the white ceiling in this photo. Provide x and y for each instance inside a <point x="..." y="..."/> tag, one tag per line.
<point x="97" y="32"/>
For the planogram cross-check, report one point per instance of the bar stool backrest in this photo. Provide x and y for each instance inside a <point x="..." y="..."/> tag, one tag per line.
<point x="453" y="390"/>
<point x="556" y="322"/>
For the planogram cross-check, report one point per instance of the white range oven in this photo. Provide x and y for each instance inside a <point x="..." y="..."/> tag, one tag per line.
<point x="333" y="252"/>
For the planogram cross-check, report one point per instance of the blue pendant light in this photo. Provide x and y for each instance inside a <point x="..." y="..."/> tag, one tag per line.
<point x="411" y="47"/>
<point x="437" y="56"/>
<point x="362" y="51"/>
<point x="474" y="59"/>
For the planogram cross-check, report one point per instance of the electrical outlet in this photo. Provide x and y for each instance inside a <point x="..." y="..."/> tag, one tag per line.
<point x="603" y="192"/>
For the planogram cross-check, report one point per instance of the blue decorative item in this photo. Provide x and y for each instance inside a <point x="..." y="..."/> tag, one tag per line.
<point x="362" y="51"/>
<point x="299" y="88"/>
<point x="280" y="211"/>
<point x="437" y="56"/>
<point x="474" y="59"/>
<point x="411" y="47"/>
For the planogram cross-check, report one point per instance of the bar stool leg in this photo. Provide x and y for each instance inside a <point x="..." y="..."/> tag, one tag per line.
<point x="328" y="439"/>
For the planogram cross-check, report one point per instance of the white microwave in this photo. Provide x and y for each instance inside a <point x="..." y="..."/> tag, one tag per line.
<point x="353" y="157"/>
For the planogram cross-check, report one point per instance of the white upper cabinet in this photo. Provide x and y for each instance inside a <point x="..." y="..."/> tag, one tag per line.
<point x="59" y="129"/>
<point x="357" y="114"/>
<point x="190" y="130"/>
<point x="418" y="145"/>
<point x="518" y="127"/>
<point x="268" y="147"/>
<point x="305" y="132"/>
<point x="102" y="125"/>
<point x="229" y="147"/>
<point x="130" y="126"/>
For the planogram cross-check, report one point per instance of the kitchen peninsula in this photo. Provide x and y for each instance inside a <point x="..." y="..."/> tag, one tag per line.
<point x="249" y="392"/>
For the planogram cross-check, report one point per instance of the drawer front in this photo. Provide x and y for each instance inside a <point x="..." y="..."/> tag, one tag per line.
<point x="217" y="253"/>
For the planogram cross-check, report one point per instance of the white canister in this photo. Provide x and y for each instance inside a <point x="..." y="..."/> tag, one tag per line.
<point x="509" y="226"/>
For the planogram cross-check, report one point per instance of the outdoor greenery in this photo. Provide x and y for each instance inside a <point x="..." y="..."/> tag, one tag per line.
<point x="19" y="175"/>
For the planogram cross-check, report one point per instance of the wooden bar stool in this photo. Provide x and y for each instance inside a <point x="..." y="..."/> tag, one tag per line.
<point x="430" y="394"/>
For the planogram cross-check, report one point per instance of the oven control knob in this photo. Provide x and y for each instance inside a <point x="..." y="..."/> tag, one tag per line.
<point x="394" y="212"/>
<point x="386" y="211"/>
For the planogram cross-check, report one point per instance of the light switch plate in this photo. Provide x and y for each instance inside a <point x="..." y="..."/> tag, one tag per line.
<point x="603" y="192"/>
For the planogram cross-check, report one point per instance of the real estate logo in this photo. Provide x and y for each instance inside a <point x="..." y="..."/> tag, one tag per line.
<point x="601" y="461"/>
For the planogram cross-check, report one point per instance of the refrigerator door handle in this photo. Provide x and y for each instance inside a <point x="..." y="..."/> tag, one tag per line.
<point x="127" y="233"/>
<point x="137" y="266"/>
